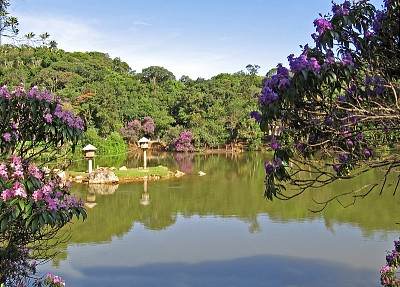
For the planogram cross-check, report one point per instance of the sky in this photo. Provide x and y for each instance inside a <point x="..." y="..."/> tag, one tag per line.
<point x="195" y="38"/>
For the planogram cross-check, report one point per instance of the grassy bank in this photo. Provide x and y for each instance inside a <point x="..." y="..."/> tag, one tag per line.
<point x="131" y="174"/>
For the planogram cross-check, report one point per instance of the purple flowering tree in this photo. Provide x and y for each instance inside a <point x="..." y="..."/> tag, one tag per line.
<point x="183" y="143"/>
<point x="34" y="206"/>
<point x="336" y="104"/>
<point x="136" y="129"/>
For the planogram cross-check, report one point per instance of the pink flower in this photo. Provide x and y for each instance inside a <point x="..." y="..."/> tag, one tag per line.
<point x="7" y="137"/>
<point x="6" y="195"/>
<point x="18" y="190"/>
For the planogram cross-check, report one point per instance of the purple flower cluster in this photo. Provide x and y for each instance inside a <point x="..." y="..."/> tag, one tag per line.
<point x="322" y="25"/>
<point x="256" y="115"/>
<point x="303" y="62"/>
<point x="271" y="86"/>
<point x="379" y="17"/>
<point x="148" y="125"/>
<point x="270" y="168"/>
<point x="347" y="59"/>
<point x="184" y="142"/>
<point x="52" y="192"/>
<point x="44" y="95"/>
<point x="388" y="272"/>
<point x="343" y="9"/>
<point x="69" y="117"/>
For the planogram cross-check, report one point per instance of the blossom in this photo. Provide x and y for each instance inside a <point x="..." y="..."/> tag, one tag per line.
<point x="343" y="9"/>
<point x="3" y="171"/>
<point x="347" y="59"/>
<point x="269" y="168"/>
<point x="255" y="115"/>
<point x="18" y="190"/>
<point x="6" y="195"/>
<point x="274" y="144"/>
<point x="48" y="118"/>
<point x="314" y="65"/>
<point x="343" y="157"/>
<point x="7" y="137"/>
<point x="322" y="25"/>
<point x="367" y="152"/>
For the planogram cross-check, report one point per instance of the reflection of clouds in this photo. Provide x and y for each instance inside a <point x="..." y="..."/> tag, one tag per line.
<point x="252" y="271"/>
<point x="184" y="162"/>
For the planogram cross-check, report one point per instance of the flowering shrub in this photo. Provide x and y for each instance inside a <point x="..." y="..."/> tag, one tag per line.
<point x="184" y="142"/>
<point x="388" y="272"/>
<point x="136" y="129"/>
<point x="34" y="206"/>
<point x="37" y="120"/>
<point x="335" y="111"/>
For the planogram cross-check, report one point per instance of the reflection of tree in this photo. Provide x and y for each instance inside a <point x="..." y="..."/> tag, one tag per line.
<point x="231" y="188"/>
<point x="185" y="162"/>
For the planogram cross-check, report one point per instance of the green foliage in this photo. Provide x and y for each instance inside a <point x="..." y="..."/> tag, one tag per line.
<point x="108" y="95"/>
<point x="336" y="113"/>
<point x="112" y="145"/>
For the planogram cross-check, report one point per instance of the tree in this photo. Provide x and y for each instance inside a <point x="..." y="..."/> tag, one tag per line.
<point x="34" y="204"/>
<point x="8" y="23"/>
<point x="337" y="106"/>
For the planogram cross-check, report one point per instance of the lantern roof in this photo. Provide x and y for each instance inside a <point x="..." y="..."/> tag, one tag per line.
<point x="89" y="147"/>
<point x="143" y="140"/>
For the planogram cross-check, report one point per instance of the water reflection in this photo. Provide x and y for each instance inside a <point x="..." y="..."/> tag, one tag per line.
<point x="218" y="227"/>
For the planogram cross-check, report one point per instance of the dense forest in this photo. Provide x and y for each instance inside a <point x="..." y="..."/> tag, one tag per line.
<point x="109" y="96"/>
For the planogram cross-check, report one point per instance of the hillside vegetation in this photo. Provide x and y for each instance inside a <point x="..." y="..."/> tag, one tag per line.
<point x="109" y="95"/>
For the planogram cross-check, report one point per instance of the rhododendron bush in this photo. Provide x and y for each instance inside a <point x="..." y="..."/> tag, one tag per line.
<point x="34" y="204"/>
<point x="336" y="105"/>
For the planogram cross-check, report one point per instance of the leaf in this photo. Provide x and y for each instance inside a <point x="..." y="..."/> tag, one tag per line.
<point x="34" y="225"/>
<point x="3" y="224"/>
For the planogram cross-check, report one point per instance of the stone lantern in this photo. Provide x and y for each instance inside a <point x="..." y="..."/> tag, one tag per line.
<point x="144" y="145"/>
<point x="89" y="151"/>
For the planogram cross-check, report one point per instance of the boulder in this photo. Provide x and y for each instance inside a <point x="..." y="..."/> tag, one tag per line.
<point x="102" y="175"/>
<point x="123" y="168"/>
<point x="178" y="173"/>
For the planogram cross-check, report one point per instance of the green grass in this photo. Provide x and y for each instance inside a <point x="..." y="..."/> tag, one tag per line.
<point x="133" y="173"/>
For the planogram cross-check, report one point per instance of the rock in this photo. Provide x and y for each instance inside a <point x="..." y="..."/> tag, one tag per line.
<point x="178" y="173"/>
<point x="103" y="189"/>
<point x="78" y="178"/>
<point x="123" y="168"/>
<point x="201" y="173"/>
<point x="102" y="175"/>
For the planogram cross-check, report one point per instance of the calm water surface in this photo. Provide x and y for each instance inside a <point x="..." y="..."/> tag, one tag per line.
<point x="218" y="230"/>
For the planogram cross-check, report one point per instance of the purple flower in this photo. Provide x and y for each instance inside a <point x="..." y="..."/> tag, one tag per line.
<point x="7" y="137"/>
<point x="255" y="115"/>
<point x="269" y="168"/>
<point x="48" y="118"/>
<point x="299" y="145"/>
<point x="350" y="143"/>
<point x="314" y="65"/>
<point x="347" y="59"/>
<point x="274" y="145"/>
<point x="336" y="168"/>
<point x="343" y="157"/>
<point x="322" y="25"/>
<point x="367" y="152"/>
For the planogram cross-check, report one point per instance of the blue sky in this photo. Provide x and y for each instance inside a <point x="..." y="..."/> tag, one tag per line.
<point x="197" y="38"/>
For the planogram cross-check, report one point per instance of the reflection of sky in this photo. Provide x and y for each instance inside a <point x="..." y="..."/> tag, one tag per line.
<point x="208" y="251"/>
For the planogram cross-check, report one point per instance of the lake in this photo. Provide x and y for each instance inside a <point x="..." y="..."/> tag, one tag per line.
<point x="218" y="230"/>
